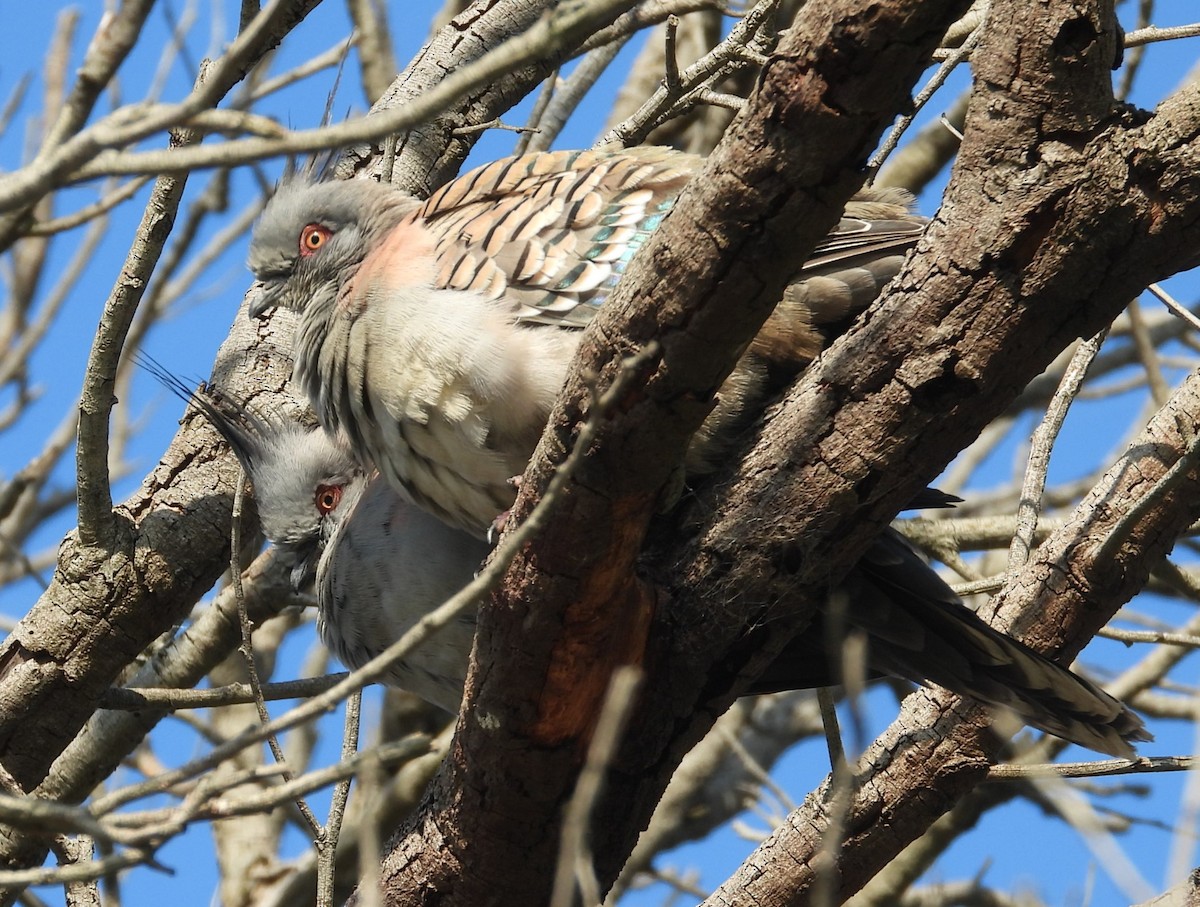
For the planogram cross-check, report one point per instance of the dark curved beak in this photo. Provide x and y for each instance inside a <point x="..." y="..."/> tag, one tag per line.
<point x="262" y="297"/>
<point x="304" y="568"/>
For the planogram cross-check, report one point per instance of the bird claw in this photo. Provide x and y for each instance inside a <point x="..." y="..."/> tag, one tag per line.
<point x="497" y="527"/>
<point x="498" y="524"/>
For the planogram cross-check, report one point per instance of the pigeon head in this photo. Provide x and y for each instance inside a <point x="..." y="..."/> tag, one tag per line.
<point x="312" y="236"/>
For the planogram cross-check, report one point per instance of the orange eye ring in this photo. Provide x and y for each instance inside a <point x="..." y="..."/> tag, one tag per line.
<point x="313" y="237"/>
<point x="327" y="498"/>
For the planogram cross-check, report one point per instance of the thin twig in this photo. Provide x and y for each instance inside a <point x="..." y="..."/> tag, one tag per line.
<point x="135" y="699"/>
<point x="756" y="770"/>
<point x="17" y="356"/>
<point x="1134" y="55"/>
<point x="1041" y="445"/>
<point x="736" y="52"/>
<point x="370" y="789"/>
<point x="840" y="792"/>
<point x="326" y="60"/>
<point x="575" y="870"/>
<point x="141" y="832"/>
<point x="115" y="37"/>
<point x="571" y="91"/>
<point x="375" y="56"/>
<point x="833" y="731"/>
<point x="1147" y="354"/>
<point x="1170" y="302"/>
<point x="491" y="124"/>
<point x="247" y="646"/>
<point x="1143" y="636"/>
<point x="327" y="840"/>
<point x="1098" y="769"/>
<point x="90" y="153"/>
<point x="122" y="193"/>
<point x="1153" y="34"/>
<point x="534" y="124"/>
<point x="935" y="82"/>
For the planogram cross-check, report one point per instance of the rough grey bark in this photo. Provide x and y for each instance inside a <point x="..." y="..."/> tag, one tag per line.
<point x="940" y="748"/>
<point x="103" y="607"/>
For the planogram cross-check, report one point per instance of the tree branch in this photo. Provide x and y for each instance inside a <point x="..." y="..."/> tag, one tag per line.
<point x="572" y="610"/>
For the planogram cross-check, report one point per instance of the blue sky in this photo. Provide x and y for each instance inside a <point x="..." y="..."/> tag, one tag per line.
<point x="1023" y="846"/>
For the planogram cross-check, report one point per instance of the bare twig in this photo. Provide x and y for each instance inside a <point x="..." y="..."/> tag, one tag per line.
<point x="89" y="154"/>
<point x="739" y="50"/>
<point x="1098" y="769"/>
<point x="322" y="61"/>
<point x="327" y="840"/>
<point x="139" y="698"/>
<point x="96" y="524"/>
<point x="574" y="870"/>
<point x="374" y="41"/>
<point x="122" y="193"/>
<point x="534" y="124"/>
<point x="1170" y="302"/>
<point x="571" y="92"/>
<point x="935" y="82"/>
<point x="247" y="648"/>
<point x="1042" y="444"/>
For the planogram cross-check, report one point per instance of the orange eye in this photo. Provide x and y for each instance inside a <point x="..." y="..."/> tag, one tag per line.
<point x="312" y="237"/>
<point x="327" y="498"/>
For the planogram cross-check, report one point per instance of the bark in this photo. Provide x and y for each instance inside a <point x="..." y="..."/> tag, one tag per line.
<point x="1054" y="220"/>
<point x="429" y="156"/>
<point x="1035" y="246"/>
<point x="110" y="736"/>
<point x="939" y="748"/>
<point x="112" y="595"/>
<point x="572" y="609"/>
<point x="1064" y="205"/>
<point x="1184" y="894"/>
<point x="170" y="540"/>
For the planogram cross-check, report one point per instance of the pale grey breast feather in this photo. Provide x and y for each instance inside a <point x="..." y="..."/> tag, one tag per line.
<point x="386" y="567"/>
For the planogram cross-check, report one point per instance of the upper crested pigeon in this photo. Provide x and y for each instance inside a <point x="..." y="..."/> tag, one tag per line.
<point x="437" y="334"/>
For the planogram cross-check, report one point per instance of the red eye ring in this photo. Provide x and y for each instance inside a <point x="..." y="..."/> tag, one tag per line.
<point x="327" y="498"/>
<point x="313" y="237"/>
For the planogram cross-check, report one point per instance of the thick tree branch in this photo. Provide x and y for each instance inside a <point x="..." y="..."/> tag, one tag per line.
<point x="889" y="406"/>
<point x="97" y="616"/>
<point x="702" y="286"/>
<point x="927" y="759"/>
<point x="104" y="606"/>
<point x="942" y="356"/>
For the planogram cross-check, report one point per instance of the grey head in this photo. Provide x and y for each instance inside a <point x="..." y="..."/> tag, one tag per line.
<point x="312" y="236"/>
<point x="305" y="482"/>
